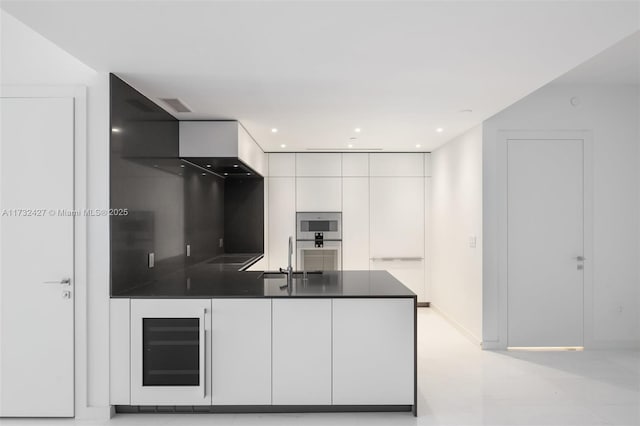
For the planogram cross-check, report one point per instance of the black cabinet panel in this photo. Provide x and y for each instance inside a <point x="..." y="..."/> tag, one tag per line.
<point x="171" y="352"/>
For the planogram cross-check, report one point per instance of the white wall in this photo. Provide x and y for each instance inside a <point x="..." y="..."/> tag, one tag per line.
<point x="456" y="216"/>
<point x="610" y="113"/>
<point x="28" y="59"/>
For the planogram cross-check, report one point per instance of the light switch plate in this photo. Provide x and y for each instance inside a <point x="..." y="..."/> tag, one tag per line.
<point x="472" y="241"/>
<point x="152" y="260"/>
<point x="188" y="250"/>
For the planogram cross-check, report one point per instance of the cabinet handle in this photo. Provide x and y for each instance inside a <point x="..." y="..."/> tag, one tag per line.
<point x="374" y="259"/>
<point x="203" y="363"/>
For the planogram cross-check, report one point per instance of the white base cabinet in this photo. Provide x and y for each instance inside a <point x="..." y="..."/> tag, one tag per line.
<point x="241" y="351"/>
<point x="301" y="352"/>
<point x="373" y="351"/>
<point x="261" y="351"/>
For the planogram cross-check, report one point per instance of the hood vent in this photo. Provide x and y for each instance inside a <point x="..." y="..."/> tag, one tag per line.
<point x="176" y="104"/>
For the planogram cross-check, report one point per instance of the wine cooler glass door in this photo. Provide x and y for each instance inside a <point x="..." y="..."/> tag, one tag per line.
<point x="169" y="353"/>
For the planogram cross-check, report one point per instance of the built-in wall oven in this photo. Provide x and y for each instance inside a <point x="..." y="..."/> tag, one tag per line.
<point x="319" y="241"/>
<point x="169" y="352"/>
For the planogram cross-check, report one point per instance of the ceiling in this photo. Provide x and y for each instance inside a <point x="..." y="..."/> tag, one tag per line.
<point x="317" y="70"/>
<point x="619" y="64"/>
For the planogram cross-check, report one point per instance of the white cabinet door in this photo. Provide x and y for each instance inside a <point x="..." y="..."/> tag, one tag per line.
<point x="427" y="240"/>
<point x="396" y="164"/>
<point x="397" y="229"/>
<point x="409" y="271"/>
<point x="169" y="351"/>
<point x="119" y="352"/>
<point x="355" y="164"/>
<point x="373" y="352"/>
<point x="427" y="164"/>
<point x="318" y="194"/>
<point x="282" y="165"/>
<point x="241" y="352"/>
<point x="319" y="164"/>
<point x="397" y="217"/>
<point x="301" y="352"/>
<point x="355" y="223"/>
<point x="282" y="220"/>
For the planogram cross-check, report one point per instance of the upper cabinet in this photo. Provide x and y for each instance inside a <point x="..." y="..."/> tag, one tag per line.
<point x="427" y="164"/>
<point x="355" y="165"/>
<point x="319" y="165"/>
<point x="282" y="165"/>
<point x="221" y="139"/>
<point x="396" y="164"/>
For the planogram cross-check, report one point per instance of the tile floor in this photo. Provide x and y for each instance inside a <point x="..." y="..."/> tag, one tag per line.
<point x="461" y="385"/>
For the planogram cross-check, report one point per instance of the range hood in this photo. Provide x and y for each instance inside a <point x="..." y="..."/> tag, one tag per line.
<point x="223" y="147"/>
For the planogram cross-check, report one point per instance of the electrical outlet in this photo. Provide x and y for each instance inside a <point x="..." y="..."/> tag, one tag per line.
<point x="152" y="260"/>
<point x="221" y="242"/>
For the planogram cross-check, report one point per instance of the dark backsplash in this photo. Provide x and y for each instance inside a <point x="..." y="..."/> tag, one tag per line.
<point x="170" y="202"/>
<point x="244" y="215"/>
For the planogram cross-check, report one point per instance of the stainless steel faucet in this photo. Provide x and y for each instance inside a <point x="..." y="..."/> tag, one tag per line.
<point x="289" y="270"/>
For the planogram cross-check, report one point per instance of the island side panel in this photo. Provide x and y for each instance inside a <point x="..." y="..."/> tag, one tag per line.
<point x="374" y="351"/>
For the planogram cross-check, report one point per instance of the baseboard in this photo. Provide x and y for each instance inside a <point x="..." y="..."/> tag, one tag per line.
<point x="95" y="413"/>
<point x="493" y="345"/>
<point x="466" y="333"/>
<point x="135" y="409"/>
<point x="612" y="344"/>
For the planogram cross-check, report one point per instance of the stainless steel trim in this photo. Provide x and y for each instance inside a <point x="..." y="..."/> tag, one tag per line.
<point x="203" y="362"/>
<point x="64" y="281"/>
<point x="404" y="259"/>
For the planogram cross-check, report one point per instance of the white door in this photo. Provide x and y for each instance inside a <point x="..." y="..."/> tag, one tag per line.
<point x="545" y="242"/>
<point x="36" y="257"/>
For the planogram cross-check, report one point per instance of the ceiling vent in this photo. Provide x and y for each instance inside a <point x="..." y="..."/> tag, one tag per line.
<point x="176" y="104"/>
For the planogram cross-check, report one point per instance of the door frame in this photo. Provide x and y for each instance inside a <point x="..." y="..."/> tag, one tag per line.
<point x="79" y="287"/>
<point x="503" y="247"/>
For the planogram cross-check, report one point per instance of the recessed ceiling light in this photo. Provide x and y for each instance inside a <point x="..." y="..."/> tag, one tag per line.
<point x="439" y="130"/>
<point x="283" y="145"/>
<point x="204" y="174"/>
<point x="208" y="165"/>
<point x="115" y="129"/>
<point x="226" y="174"/>
<point x="357" y="130"/>
<point x="274" y="130"/>
<point x="182" y="165"/>
<point x="235" y="165"/>
<point x="418" y="145"/>
<point x="350" y="145"/>
<point x="248" y="174"/>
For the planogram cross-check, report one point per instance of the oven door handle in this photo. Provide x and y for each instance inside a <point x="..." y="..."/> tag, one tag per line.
<point x="203" y="362"/>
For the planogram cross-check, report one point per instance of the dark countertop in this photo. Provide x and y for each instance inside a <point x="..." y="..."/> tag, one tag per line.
<point x="215" y="280"/>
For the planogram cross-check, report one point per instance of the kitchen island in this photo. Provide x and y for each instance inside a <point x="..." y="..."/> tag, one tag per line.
<point x="331" y="341"/>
